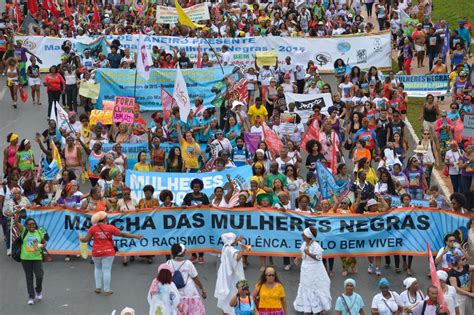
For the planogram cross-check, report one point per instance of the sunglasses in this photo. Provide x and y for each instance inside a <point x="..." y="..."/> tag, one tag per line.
<point x="270" y="275"/>
<point x="426" y="134"/>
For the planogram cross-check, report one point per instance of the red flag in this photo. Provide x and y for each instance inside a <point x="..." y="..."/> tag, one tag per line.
<point x="18" y="15"/>
<point x="45" y="5"/>
<point x="32" y="7"/>
<point x="313" y="133"/>
<point x="167" y="102"/>
<point x="435" y="280"/>
<point x="96" y="17"/>
<point x="272" y="140"/>
<point x="199" y="65"/>
<point x="67" y="10"/>
<point x="53" y="9"/>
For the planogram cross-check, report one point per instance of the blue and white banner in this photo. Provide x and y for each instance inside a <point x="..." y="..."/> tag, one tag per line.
<point x="269" y="232"/>
<point x="359" y="50"/>
<point x="131" y="150"/>
<point x="124" y="82"/>
<point x="179" y="183"/>
<point x="422" y="85"/>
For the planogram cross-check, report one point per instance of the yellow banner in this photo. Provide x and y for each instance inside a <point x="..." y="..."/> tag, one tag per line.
<point x="102" y="116"/>
<point x="266" y="58"/>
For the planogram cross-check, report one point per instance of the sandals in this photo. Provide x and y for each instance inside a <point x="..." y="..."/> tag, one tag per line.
<point x="97" y="291"/>
<point x="108" y="293"/>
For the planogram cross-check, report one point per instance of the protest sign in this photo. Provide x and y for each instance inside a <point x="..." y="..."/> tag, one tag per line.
<point x="123" y="109"/>
<point x="102" y="116"/>
<point x="196" y="13"/>
<point x="266" y="58"/>
<point x="108" y="105"/>
<point x="468" y="130"/>
<point x="269" y="232"/>
<point x="361" y="50"/>
<point x="287" y="123"/>
<point x="179" y="183"/>
<point x="89" y="89"/>
<point x="304" y="103"/>
<point x="424" y="84"/>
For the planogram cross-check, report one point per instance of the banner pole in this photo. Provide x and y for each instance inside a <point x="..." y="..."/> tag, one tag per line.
<point x="135" y="85"/>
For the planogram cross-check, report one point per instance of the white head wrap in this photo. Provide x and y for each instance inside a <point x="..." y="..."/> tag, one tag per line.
<point x="307" y="232"/>
<point x="408" y="282"/>
<point x="350" y="280"/>
<point x="127" y="310"/>
<point x="442" y="275"/>
<point x="228" y="238"/>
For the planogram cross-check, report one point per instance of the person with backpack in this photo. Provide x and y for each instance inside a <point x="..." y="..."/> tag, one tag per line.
<point x="186" y="279"/>
<point x="29" y="245"/>
<point x="163" y="296"/>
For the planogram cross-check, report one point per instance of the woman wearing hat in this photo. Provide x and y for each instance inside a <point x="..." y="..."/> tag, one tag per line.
<point x="314" y="289"/>
<point x="386" y="302"/>
<point x="416" y="178"/>
<point x="163" y="296"/>
<point x="412" y="296"/>
<point x="349" y="302"/>
<point x="114" y="191"/>
<point x="449" y="292"/>
<point x="103" y="251"/>
<point x="191" y="300"/>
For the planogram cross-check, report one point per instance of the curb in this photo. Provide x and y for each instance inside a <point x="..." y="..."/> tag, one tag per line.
<point x="435" y="175"/>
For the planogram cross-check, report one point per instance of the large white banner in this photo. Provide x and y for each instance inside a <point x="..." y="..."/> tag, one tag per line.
<point x="362" y="51"/>
<point x="198" y="12"/>
<point x="305" y="103"/>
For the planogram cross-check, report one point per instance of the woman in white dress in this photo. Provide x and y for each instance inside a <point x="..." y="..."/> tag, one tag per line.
<point x="191" y="303"/>
<point x="231" y="270"/>
<point x="163" y="296"/>
<point x="412" y="296"/>
<point x="314" y="289"/>
<point x="386" y="302"/>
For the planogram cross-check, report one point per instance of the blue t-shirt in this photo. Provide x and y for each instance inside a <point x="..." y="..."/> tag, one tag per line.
<point x="240" y="156"/>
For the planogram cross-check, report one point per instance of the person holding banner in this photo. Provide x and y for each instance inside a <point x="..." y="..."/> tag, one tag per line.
<point x="103" y="250"/>
<point x="314" y="289"/>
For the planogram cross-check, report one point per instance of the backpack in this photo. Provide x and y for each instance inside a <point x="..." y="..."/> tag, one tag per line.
<point x="178" y="277"/>
<point x="16" y="246"/>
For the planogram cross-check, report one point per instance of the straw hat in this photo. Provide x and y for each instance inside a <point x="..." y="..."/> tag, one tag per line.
<point x="420" y="149"/>
<point x="99" y="216"/>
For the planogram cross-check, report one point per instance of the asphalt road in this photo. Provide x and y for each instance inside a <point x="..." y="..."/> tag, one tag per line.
<point x="68" y="286"/>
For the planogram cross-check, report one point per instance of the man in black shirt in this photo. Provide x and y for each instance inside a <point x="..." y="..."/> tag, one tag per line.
<point x="184" y="62"/>
<point x="433" y="46"/>
<point x="396" y="126"/>
<point x="381" y="128"/>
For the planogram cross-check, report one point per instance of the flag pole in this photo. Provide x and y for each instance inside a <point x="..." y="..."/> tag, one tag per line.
<point x="215" y="54"/>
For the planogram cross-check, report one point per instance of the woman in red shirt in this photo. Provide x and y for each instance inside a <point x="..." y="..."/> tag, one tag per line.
<point x="55" y="86"/>
<point x="103" y="251"/>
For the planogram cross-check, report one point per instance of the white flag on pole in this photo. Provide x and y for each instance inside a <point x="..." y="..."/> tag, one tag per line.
<point x="181" y="96"/>
<point x="52" y="114"/>
<point x="144" y="61"/>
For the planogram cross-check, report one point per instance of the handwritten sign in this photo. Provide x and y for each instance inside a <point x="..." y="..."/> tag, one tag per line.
<point x="89" y="89"/>
<point x="102" y="116"/>
<point x="287" y="123"/>
<point x="108" y="105"/>
<point x="123" y="110"/>
<point x="266" y="58"/>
